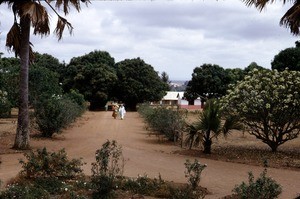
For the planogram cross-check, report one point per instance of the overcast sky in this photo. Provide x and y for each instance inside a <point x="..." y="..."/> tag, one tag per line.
<point x="172" y="36"/>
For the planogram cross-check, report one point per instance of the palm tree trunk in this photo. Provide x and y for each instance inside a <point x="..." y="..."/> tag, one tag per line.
<point x="22" y="134"/>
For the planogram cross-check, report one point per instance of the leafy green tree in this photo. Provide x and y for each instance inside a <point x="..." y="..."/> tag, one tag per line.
<point x="93" y="75"/>
<point x="43" y="83"/>
<point x="48" y="61"/>
<point x="290" y="19"/>
<point x="33" y="13"/>
<point x="235" y="74"/>
<point x="268" y="103"/>
<point x="138" y="83"/>
<point x="210" y="126"/>
<point x="287" y="59"/>
<point x="251" y="67"/>
<point x="209" y="81"/>
<point x="9" y="78"/>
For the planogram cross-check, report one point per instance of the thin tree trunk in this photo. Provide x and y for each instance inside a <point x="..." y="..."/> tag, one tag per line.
<point x="22" y="134"/>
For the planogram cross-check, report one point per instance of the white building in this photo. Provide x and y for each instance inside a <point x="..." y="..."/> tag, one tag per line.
<point x="175" y="98"/>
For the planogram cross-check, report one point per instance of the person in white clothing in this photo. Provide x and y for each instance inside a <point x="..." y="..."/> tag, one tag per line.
<point x="122" y="111"/>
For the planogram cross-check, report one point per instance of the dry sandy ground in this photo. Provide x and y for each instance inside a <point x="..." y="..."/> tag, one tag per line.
<point x="145" y="155"/>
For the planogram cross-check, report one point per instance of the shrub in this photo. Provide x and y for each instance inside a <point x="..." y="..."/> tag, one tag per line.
<point x="146" y="186"/>
<point x="77" y="98"/>
<point x="24" y="191"/>
<point x="57" y="112"/>
<point x="108" y="166"/>
<point x="43" y="164"/>
<point x="263" y="187"/>
<point x="52" y="185"/>
<point x="186" y="193"/>
<point x="163" y="121"/>
<point x="193" y="173"/>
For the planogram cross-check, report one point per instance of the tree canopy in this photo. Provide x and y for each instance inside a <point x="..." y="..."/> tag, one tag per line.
<point x="287" y="59"/>
<point x="138" y="83"/>
<point x="268" y="103"/>
<point x="93" y="75"/>
<point x="209" y="81"/>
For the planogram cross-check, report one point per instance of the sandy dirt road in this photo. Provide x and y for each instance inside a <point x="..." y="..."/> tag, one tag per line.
<point x="145" y="155"/>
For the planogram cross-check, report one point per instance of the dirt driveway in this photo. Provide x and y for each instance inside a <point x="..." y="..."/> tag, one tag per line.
<point x="145" y="155"/>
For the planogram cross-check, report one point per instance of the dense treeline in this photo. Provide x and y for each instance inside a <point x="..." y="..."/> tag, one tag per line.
<point x="95" y="75"/>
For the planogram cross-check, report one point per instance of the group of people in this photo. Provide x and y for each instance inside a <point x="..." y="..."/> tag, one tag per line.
<point x="118" y="110"/>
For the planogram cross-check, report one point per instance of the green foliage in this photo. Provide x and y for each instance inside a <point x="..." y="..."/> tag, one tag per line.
<point x="57" y="112"/>
<point x="193" y="173"/>
<point x="93" y="75"/>
<point x="52" y="185"/>
<point x="138" y="82"/>
<point x="186" y="193"/>
<point x="76" y="97"/>
<point x="24" y="191"/>
<point x="9" y="78"/>
<point x="210" y="126"/>
<point x="43" y="83"/>
<point x="209" y="81"/>
<point x="5" y="105"/>
<point x="108" y="166"/>
<point x="261" y="188"/>
<point x="253" y="66"/>
<point x="287" y="59"/>
<point x="164" y="121"/>
<point x="43" y="164"/>
<point x="48" y="61"/>
<point x="268" y="103"/>
<point x="145" y="185"/>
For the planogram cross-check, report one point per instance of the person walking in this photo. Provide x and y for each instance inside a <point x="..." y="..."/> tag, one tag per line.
<point x="122" y="111"/>
<point x="115" y="109"/>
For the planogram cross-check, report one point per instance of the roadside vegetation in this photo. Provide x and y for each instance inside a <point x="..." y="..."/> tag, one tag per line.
<point x="47" y="174"/>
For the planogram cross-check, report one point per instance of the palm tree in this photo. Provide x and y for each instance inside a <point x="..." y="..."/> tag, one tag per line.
<point x="31" y="13"/>
<point x="210" y="125"/>
<point x="291" y="19"/>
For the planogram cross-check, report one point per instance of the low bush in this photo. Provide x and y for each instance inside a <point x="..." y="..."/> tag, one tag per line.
<point x="193" y="173"/>
<point x="164" y="121"/>
<point x="43" y="164"/>
<point x="47" y="175"/>
<point x="53" y="114"/>
<point x="24" y="191"/>
<point x="106" y="170"/>
<point x="146" y="186"/>
<point x="261" y="188"/>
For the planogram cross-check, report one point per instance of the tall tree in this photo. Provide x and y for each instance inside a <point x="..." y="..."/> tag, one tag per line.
<point x="288" y="58"/>
<point x="291" y="19"/>
<point x="138" y="82"/>
<point x="93" y="75"/>
<point x="165" y="78"/>
<point x="252" y="66"/>
<point x="29" y="13"/>
<point x="209" y="81"/>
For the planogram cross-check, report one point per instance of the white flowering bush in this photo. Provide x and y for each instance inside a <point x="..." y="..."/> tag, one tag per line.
<point x="268" y="103"/>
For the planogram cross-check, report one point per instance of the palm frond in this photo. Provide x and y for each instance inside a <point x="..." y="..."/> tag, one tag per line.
<point x="60" y="26"/>
<point x="13" y="39"/>
<point x="209" y="117"/>
<point x="38" y="15"/>
<point x="66" y="4"/>
<point x="291" y="19"/>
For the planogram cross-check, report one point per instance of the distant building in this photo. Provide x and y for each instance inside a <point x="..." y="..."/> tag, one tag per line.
<point x="176" y="98"/>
